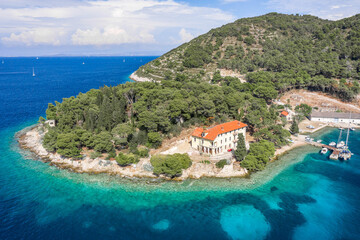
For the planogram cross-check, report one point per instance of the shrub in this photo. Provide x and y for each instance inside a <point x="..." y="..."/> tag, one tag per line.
<point x="170" y="165"/>
<point x="221" y="163"/>
<point x="126" y="159"/>
<point x="142" y="152"/>
<point x="95" y="154"/>
<point x="154" y="139"/>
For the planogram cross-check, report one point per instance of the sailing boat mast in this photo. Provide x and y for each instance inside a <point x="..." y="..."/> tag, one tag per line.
<point x="347" y="136"/>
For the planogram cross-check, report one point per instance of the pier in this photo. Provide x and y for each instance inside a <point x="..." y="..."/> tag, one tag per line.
<point x="340" y="151"/>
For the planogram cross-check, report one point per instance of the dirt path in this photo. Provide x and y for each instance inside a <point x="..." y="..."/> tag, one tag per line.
<point x="320" y="100"/>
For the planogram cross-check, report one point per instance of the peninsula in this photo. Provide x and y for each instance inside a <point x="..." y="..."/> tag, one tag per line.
<point x="213" y="107"/>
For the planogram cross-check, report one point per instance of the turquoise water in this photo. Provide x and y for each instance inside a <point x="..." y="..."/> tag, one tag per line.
<point x="301" y="196"/>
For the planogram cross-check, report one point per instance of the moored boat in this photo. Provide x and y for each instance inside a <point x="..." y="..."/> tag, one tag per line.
<point x="324" y="150"/>
<point x="332" y="144"/>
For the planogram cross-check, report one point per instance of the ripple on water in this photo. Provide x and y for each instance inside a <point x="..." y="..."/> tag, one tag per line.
<point x="244" y="222"/>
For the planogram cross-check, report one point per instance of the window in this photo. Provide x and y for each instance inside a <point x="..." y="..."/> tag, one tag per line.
<point x="194" y="139"/>
<point x="229" y="138"/>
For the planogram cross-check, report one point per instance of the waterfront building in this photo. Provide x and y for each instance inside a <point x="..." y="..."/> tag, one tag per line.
<point x="335" y="117"/>
<point x="218" y="139"/>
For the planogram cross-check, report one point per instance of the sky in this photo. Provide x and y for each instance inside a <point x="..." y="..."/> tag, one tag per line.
<point x="133" y="27"/>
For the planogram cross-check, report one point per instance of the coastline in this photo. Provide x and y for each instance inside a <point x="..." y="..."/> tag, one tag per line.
<point x="136" y="78"/>
<point x="31" y="140"/>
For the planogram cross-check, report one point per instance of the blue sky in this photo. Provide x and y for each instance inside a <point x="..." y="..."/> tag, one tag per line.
<point x="133" y="27"/>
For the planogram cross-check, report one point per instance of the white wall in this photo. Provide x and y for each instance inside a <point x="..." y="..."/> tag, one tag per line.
<point x="335" y="120"/>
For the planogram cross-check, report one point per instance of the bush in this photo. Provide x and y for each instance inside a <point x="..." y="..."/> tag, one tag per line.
<point x="125" y="160"/>
<point x="221" y="163"/>
<point x="170" y="165"/>
<point x="142" y="152"/>
<point x="95" y="154"/>
<point x="154" y="139"/>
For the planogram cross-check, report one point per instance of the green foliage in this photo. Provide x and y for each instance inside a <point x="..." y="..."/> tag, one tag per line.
<point x="259" y="155"/>
<point x="95" y="154"/>
<point x="294" y="127"/>
<point x="102" y="142"/>
<point x="221" y="163"/>
<point x="303" y="110"/>
<point x="170" y="165"/>
<point x="67" y="145"/>
<point x="51" y="112"/>
<point x="154" y="139"/>
<point x="49" y="141"/>
<point x="126" y="159"/>
<point x="240" y="151"/>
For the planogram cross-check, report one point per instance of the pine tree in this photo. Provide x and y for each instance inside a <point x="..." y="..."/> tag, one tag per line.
<point x="294" y="127"/>
<point x="240" y="151"/>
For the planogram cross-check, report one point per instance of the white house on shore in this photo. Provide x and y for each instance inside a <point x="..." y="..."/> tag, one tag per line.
<point x="335" y="117"/>
<point x="218" y="139"/>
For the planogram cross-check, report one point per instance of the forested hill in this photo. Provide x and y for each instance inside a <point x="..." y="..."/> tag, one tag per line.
<point x="296" y="51"/>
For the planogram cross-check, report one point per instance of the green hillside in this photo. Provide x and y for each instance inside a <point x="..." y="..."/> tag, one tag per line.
<point x="297" y="51"/>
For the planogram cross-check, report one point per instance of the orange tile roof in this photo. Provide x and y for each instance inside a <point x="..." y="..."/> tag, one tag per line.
<point x="213" y="132"/>
<point x="284" y="113"/>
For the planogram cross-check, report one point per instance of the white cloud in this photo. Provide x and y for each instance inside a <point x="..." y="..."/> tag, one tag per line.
<point x="109" y="36"/>
<point x="36" y="36"/>
<point x="327" y="9"/>
<point x="103" y="22"/>
<point x="185" y="36"/>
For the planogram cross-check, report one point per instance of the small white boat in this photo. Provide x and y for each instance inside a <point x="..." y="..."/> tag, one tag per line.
<point x="33" y="73"/>
<point x="324" y="150"/>
<point x="311" y="127"/>
<point x="340" y="128"/>
<point x="352" y="129"/>
<point x="124" y="60"/>
<point x="2" y="62"/>
<point x="332" y="144"/>
<point x="37" y="58"/>
<point x="319" y="141"/>
<point x="340" y="144"/>
<point x="83" y="63"/>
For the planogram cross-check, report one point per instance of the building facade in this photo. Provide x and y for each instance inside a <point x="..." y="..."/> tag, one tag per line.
<point x="218" y="139"/>
<point x="335" y="117"/>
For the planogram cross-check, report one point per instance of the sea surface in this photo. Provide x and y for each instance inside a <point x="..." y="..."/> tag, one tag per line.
<point x="303" y="195"/>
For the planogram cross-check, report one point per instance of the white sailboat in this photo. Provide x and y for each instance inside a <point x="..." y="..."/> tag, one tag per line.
<point x="83" y="63"/>
<point x="2" y="62"/>
<point x="345" y="154"/>
<point x="124" y="60"/>
<point x="33" y="73"/>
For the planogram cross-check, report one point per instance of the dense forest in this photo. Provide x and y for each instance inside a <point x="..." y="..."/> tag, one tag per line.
<point x="274" y="53"/>
<point x="295" y="51"/>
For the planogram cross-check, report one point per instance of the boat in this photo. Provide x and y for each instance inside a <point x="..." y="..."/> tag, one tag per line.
<point x="334" y="155"/>
<point x="124" y="60"/>
<point x="340" y="144"/>
<point x="324" y="150"/>
<point x="345" y="154"/>
<point x="319" y="141"/>
<point x="83" y="63"/>
<point x="2" y="62"/>
<point x="332" y="144"/>
<point x="352" y="129"/>
<point x="37" y="58"/>
<point x="340" y="128"/>
<point x="310" y="126"/>
<point x="33" y="73"/>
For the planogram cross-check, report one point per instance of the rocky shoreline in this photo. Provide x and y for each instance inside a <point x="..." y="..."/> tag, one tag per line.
<point x="136" y="78"/>
<point x="31" y="140"/>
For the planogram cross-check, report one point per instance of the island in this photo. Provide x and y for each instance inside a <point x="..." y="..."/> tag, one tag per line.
<point x="222" y="105"/>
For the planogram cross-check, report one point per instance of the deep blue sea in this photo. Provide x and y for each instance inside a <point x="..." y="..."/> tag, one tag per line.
<point x="303" y="195"/>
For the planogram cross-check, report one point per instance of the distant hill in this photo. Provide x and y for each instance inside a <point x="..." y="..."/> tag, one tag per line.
<point x="285" y="45"/>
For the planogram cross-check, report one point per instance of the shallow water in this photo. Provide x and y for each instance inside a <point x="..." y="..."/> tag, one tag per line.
<point x="303" y="195"/>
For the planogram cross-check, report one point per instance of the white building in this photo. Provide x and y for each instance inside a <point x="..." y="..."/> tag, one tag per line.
<point x="218" y="139"/>
<point x="335" y="117"/>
